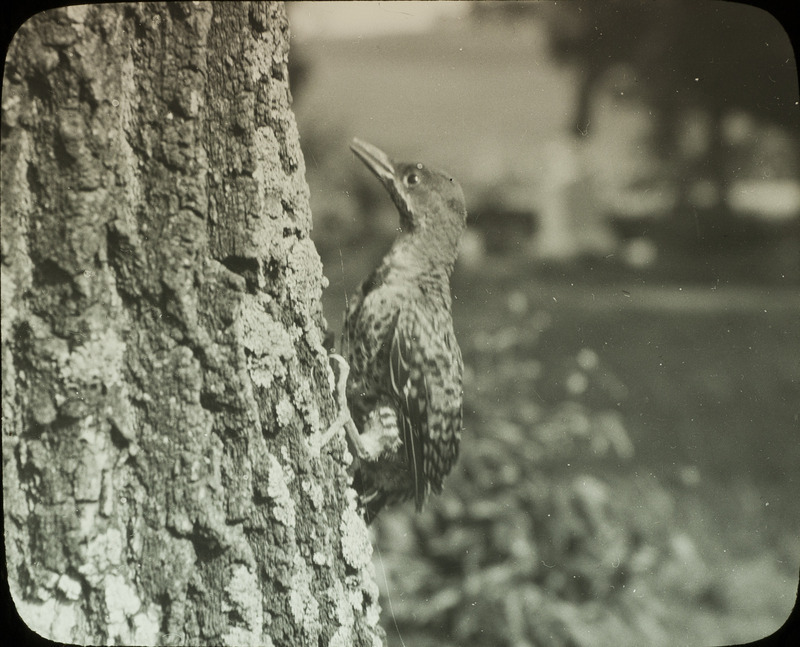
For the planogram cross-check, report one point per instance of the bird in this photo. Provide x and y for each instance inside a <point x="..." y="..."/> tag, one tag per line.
<point x="405" y="369"/>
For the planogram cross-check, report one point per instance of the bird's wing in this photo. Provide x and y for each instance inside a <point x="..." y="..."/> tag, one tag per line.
<point x="410" y="387"/>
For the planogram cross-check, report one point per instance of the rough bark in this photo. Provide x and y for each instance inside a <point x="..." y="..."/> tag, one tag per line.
<point x="164" y="380"/>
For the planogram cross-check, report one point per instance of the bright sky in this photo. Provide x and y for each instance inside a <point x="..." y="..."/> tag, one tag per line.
<point x="363" y="19"/>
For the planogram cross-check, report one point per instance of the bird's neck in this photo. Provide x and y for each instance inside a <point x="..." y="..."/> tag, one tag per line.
<point x="412" y="257"/>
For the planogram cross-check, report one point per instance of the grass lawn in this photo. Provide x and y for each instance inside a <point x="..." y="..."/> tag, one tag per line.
<point x="708" y="383"/>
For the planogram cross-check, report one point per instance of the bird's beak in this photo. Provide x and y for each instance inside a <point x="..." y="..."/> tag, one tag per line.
<point x="376" y="160"/>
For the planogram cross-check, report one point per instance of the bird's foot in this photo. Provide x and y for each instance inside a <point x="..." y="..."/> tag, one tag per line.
<point x="343" y="419"/>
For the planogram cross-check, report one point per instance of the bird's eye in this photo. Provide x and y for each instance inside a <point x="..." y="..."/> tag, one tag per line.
<point x="411" y="179"/>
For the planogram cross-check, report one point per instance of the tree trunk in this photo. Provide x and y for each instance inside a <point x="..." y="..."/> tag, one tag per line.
<point x="164" y="381"/>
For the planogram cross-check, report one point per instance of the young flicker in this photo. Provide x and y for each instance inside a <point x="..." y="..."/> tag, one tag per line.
<point x="405" y="367"/>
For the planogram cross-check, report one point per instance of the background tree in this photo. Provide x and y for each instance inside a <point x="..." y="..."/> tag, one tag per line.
<point x="696" y="66"/>
<point x="164" y="381"/>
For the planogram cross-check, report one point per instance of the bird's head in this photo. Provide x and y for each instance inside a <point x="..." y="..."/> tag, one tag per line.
<point x="431" y="203"/>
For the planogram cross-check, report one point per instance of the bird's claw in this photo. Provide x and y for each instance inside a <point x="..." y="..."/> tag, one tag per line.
<point x="343" y="419"/>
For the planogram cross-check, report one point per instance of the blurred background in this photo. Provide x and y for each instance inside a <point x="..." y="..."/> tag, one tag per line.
<point x="627" y="301"/>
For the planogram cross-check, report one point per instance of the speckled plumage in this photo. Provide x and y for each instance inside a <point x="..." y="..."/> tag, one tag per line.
<point x="405" y="363"/>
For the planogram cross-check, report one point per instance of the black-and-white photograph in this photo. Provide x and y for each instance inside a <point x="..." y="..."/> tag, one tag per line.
<point x="403" y="324"/>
